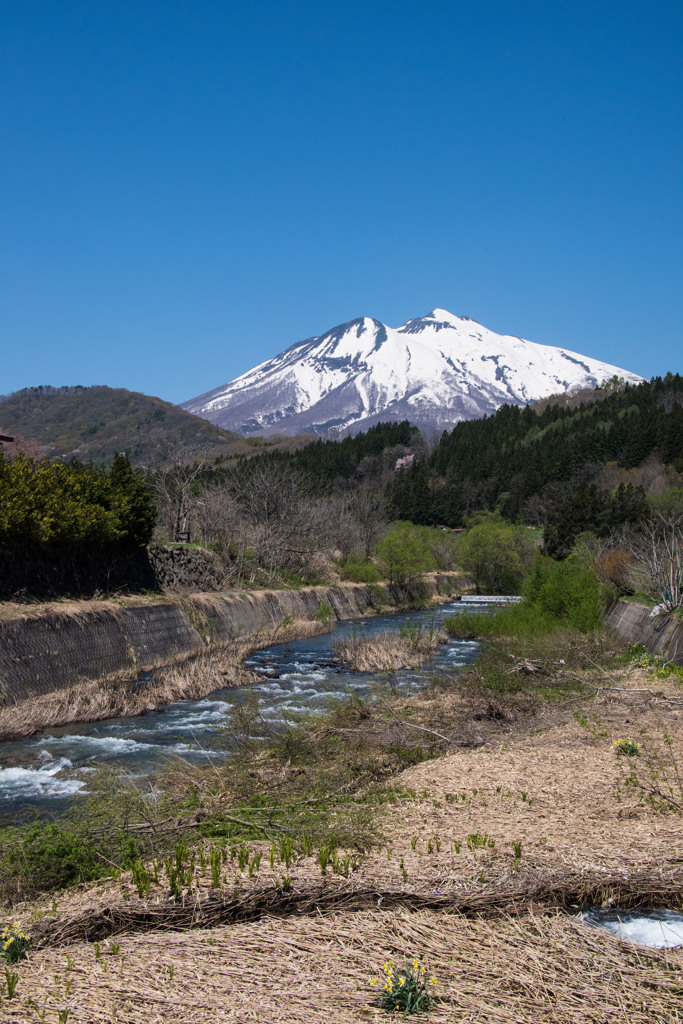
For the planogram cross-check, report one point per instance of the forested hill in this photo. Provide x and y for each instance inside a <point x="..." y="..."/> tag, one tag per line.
<point x="363" y="455"/>
<point x="520" y="458"/>
<point x="95" y="423"/>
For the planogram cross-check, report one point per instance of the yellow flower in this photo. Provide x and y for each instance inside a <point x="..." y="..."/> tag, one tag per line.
<point x="423" y="970"/>
<point x="434" y="981"/>
<point x="374" y="981"/>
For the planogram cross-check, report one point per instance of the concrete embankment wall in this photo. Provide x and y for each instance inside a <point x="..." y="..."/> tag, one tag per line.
<point x="46" y="652"/>
<point x="662" y="634"/>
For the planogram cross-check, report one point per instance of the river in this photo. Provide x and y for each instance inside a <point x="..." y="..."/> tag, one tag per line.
<point x="47" y="772"/>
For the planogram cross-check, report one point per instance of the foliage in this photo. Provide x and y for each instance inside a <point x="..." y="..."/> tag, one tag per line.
<point x="86" y="843"/>
<point x="407" y="990"/>
<point x="668" y="503"/>
<point x="496" y="555"/>
<point x="72" y="504"/>
<point x="358" y="571"/>
<point x="405" y="554"/>
<point x="566" y="592"/>
<point x="99" y="422"/>
<point x="324" y="612"/>
<point x="590" y="508"/>
<point x="660" y="668"/>
<point x="361" y="456"/>
<point x="51" y="855"/>
<point x="15" y="943"/>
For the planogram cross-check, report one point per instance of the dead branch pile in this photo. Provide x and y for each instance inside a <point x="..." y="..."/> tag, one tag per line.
<point x="200" y="911"/>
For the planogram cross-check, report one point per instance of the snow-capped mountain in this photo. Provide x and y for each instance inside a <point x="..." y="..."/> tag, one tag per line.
<point x="434" y="371"/>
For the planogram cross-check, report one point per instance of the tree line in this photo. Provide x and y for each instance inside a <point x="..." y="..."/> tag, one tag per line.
<point x="281" y="516"/>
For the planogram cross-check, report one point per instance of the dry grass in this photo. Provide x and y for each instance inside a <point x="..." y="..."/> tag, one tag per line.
<point x="120" y="696"/>
<point x="548" y="784"/>
<point x="522" y="970"/>
<point x="387" y="652"/>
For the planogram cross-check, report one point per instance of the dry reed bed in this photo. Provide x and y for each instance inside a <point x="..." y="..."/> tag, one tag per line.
<point x="120" y="696"/>
<point x="529" y="969"/>
<point x="388" y="652"/>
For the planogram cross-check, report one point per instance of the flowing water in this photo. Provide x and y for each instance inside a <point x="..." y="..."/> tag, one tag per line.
<point x="663" y="928"/>
<point x="50" y="770"/>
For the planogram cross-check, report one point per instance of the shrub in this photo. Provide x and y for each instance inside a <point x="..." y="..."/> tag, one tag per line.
<point x="358" y="571"/>
<point x="405" y="554"/>
<point x="496" y="555"/>
<point x="566" y="592"/>
<point x="58" y="503"/>
<point x="52" y="856"/>
<point x="324" y="613"/>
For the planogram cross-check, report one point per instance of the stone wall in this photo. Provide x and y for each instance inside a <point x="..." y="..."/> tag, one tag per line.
<point x="662" y="634"/>
<point x="44" y="652"/>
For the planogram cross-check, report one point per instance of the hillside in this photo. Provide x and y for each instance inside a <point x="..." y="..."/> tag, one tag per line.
<point x="97" y="422"/>
<point x="522" y="461"/>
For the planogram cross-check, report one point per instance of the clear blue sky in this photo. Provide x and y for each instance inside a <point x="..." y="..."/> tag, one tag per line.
<point x="187" y="188"/>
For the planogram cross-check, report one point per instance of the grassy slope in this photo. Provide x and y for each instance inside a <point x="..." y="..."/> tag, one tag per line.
<point x="96" y="422"/>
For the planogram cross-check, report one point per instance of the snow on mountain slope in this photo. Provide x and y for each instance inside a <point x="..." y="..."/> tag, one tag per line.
<point x="433" y="370"/>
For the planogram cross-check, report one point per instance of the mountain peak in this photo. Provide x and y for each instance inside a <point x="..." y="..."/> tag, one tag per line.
<point x="435" y="370"/>
<point x="443" y="316"/>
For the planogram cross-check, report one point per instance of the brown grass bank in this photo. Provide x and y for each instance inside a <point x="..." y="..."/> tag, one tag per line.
<point x="123" y="696"/>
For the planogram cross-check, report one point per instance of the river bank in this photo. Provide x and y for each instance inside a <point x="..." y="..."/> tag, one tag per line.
<point x="479" y="853"/>
<point x="82" y="662"/>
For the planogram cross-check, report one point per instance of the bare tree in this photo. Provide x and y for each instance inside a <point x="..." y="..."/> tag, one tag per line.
<point x="172" y="483"/>
<point x="657" y="548"/>
<point x="216" y="514"/>
<point x="282" y="523"/>
<point x="368" y="506"/>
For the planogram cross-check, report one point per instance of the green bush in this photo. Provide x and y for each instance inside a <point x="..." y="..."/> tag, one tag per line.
<point x="51" y="856"/>
<point x="59" y="503"/>
<point x="566" y="592"/>
<point x="496" y="555"/>
<point x="405" y="553"/>
<point x="358" y="571"/>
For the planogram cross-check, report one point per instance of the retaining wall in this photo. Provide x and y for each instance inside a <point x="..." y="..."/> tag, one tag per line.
<point x="662" y="634"/>
<point x="45" y="652"/>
